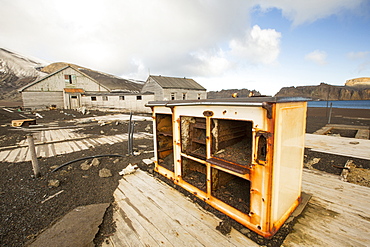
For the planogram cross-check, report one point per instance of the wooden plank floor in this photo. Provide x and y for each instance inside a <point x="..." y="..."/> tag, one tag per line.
<point x="49" y="143"/>
<point x="339" y="145"/>
<point x="337" y="215"/>
<point x="151" y="213"/>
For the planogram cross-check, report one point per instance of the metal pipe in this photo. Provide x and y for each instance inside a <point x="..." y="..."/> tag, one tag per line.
<point x="85" y="158"/>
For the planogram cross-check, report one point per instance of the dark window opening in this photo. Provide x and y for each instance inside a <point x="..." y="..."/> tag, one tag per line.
<point x="198" y="95"/>
<point x="105" y="98"/>
<point x="73" y="97"/>
<point x="165" y="141"/>
<point x="193" y="136"/>
<point x="93" y="98"/>
<point x="173" y="96"/>
<point x="231" y="189"/>
<point x="138" y="97"/>
<point x="194" y="173"/>
<point x="68" y="79"/>
<point x="184" y="96"/>
<point x="121" y="97"/>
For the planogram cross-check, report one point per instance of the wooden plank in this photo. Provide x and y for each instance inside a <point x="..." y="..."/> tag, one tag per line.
<point x="339" y="145"/>
<point x="337" y="213"/>
<point x="13" y="155"/>
<point x="4" y="154"/>
<point x="148" y="232"/>
<point x="157" y="217"/>
<point x="363" y="134"/>
<point x="198" y="222"/>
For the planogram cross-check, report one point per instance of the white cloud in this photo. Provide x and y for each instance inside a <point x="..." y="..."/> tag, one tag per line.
<point x="199" y="38"/>
<point x="300" y="12"/>
<point x="257" y="46"/>
<point x="358" y="55"/>
<point x="362" y="59"/>
<point x="318" y="57"/>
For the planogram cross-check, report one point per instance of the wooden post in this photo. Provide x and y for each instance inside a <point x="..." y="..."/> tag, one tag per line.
<point x="330" y="110"/>
<point x="35" y="163"/>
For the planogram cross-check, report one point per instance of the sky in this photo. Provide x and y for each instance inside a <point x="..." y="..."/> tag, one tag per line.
<point x="261" y="45"/>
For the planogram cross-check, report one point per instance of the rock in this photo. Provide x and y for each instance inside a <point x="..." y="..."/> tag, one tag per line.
<point x="148" y="161"/>
<point x="245" y="231"/>
<point x="85" y="166"/>
<point x="105" y="173"/>
<point x="77" y="228"/>
<point x="53" y="167"/>
<point x="95" y="162"/>
<point x="53" y="183"/>
<point x="327" y="92"/>
<point x="224" y="227"/>
<point x="115" y="161"/>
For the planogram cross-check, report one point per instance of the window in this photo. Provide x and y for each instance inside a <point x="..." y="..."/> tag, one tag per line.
<point x="74" y="97"/>
<point x="121" y="97"/>
<point x="93" y="98"/>
<point x="198" y="95"/>
<point x="173" y="96"/>
<point x="184" y="96"/>
<point x="105" y="98"/>
<point x="68" y="79"/>
<point x="138" y="97"/>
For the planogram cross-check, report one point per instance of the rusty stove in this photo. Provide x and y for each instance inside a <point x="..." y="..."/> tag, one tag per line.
<point x="242" y="156"/>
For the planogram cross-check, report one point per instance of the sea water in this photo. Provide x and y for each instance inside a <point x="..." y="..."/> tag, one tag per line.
<point x="350" y="104"/>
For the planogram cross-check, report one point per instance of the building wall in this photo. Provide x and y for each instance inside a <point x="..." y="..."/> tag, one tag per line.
<point x="152" y="86"/>
<point x="178" y="94"/>
<point x="129" y="103"/>
<point x="39" y="100"/>
<point x="57" y="82"/>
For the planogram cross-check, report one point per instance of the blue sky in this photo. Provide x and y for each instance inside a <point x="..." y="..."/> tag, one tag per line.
<point x="259" y="44"/>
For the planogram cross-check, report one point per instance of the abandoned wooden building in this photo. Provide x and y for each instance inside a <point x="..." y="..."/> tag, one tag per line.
<point x="173" y="88"/>
<point x="72" y="87"/>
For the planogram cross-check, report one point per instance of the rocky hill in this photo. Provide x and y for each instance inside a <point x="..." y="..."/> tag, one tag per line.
<point x="228" y="93"/>
<point x="327" y="92"/>
<point x="17" y="71"/>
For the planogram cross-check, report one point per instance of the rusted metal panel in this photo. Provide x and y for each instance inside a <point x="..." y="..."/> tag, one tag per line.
<point x="235" y="155"/>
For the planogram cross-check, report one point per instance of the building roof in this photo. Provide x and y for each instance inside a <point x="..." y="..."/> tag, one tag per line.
<point x="74" y="90"/>
<point x="110" y="82"/>
<point x="114" y="83"/>
<point x="175" y="82"/>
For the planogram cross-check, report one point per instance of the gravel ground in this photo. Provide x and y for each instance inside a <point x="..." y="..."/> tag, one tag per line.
<point x="24" y="215"/>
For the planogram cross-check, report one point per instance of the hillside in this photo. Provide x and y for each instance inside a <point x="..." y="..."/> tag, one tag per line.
<point x="327" y="92"/>
<point x="227" y="93"/>
<point x="17" y="71"/>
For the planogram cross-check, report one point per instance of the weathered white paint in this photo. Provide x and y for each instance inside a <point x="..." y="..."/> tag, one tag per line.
<point x="56" y="82"/>
<point x="129" y="103"/>
<point x="42" y="99"/>
<point x="165" y="93"/>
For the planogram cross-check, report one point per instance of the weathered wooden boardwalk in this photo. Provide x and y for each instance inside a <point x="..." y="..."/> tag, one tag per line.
<point x="60" y="141"/>
<point x="151" y="213"/>
<point x="351" y="147"/>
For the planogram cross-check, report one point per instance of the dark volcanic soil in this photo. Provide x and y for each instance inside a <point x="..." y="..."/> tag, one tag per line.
<point x="23" y="215"/>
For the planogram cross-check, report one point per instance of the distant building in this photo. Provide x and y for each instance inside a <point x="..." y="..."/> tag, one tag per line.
<point x="174" y="88"/>
<point x="72" y="87"/>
